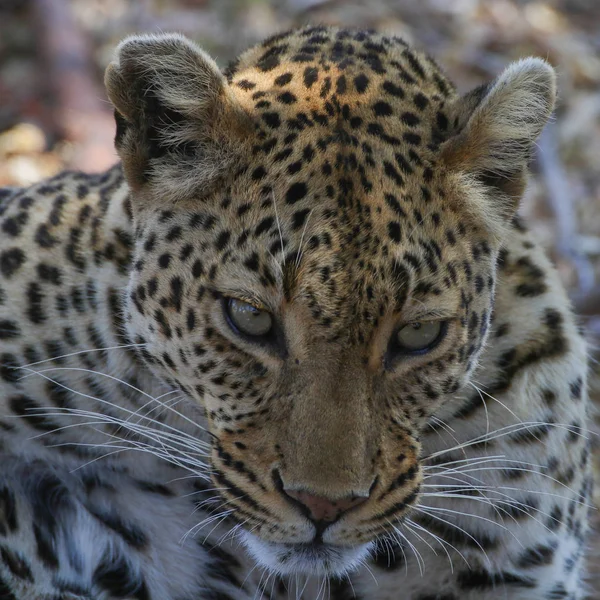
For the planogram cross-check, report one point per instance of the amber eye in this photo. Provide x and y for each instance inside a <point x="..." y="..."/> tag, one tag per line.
<point x="248" y="319"/>
<point x="419" y="337"/>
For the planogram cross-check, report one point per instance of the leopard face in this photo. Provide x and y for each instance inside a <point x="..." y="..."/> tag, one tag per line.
<point x="317" y="233"/>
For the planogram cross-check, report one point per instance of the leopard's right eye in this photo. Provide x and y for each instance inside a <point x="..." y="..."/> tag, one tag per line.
<point x="247" y="319"/>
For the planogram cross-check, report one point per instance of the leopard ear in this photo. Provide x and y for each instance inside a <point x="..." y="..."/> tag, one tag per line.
<point x="179" y="127"/>
<point x="496" y="125"/>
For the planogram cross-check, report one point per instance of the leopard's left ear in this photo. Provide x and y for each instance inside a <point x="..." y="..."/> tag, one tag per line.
<point x="179" y="126"/>
<point x="496" y="126"/>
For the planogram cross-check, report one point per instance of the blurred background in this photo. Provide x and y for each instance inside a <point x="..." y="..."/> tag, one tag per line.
<point x="54" y="113"/>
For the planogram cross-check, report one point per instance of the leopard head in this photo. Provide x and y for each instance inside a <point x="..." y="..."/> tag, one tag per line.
<point x="317" y="232"/>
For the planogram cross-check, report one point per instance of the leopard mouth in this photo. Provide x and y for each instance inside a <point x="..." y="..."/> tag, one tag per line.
<point x="312" y="558"/>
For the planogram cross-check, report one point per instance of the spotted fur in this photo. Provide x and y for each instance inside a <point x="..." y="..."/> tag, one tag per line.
<point x="337" y="180"/>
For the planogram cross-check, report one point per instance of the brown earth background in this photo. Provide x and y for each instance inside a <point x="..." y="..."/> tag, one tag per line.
<point x="54" y="113"/>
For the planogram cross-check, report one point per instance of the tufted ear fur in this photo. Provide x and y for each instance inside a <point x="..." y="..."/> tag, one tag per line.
<point x="179" y="127"/>
<point x="496" y="126"/>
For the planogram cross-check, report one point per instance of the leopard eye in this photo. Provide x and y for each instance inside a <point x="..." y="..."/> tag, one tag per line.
<point x="420" y="337"/>
<point x="248" y="319"/>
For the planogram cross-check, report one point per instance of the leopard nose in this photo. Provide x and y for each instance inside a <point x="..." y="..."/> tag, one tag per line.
<point x="323" y="509"/>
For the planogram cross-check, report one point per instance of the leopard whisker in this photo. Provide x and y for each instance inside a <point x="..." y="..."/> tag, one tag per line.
<point x="463" y="514"/>
<point x="79" y="352"/>
<point x="417" y="535"/>
<point x="259" y="589"/>
<point x="207" y="521"/>
<point x="116" y="379"/>
<point x="524" y="470"/>
<point x="496" y="488"/>
<point x="231" y="533"/>
<point x="391" y="538"/>
<point x="299" y="253"/>
<point x="116" y="406"/>
<point x="102" y="419"/>
<point x="442" y="520"/>
<point x="277" y="220"/>
<point x="417" y="554"/>
<point x="321" y="588"/>
<point x="503" y="431"/>
<point x="449" y="430"/>
<point x="476" y="460"/>
<point x="365" y="565"/>
<point x="483" y="499"/>
<point x="471" y="459"/>
<point x="443" y="543"/>
<point x="349" y="579"/>
<point x="485" y="408"/>
<point x="166" y="456"/>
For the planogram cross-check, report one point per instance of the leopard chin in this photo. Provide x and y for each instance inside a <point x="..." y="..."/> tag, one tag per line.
<point x="315" y="558"/>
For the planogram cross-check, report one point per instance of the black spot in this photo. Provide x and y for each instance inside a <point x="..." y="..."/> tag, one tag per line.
<point x="538" y="556"/>
<point x="530" y="434"/>
<point x="244" y="84"/>
<point x="11" y="260"/>
<point x="9" y="329"/>
<point x="393" y="89"/>
<point x="164" y="260"/>
<point x="174" y="234"/>
<point x="253" y="262"/>
<point x="284" y="79"/>
<point x="296" y="192"/>
<point x="361" y="83"/>
<point x="421" y="101"/>
<point x="176" y="293"/>
<point x="264" y="226"/>
<point x="311" y="75"/>
<point x="35" y="306"/>
<point x="576" y="388"/>
<point x="456" y="536"/>
<point x="9" y="368"/>
<point x="222" y="240"/>
<point x="129" y="532"/>
<point x="115" y="575"/>
<point x="395" y="231"/>
<point x="287" y="98"/>
<point x="44" y="238"/>
<point x="442" y="121"/>
<point x="410" y="119"/>
<point x="392" y="173"/>
<point x="197" y="268"/>
<point x="191" y="319"/>
<point x="299" y="217"/>
<point x="403" y="164"/>
<point x="32" y="413"/>
<point x="8" y="512"/>
<point x="271" y="119"/>
<point x="558" y="592"/>
<point x="480" y="579"/>
<point x="16" y="564"/>
<point x="294" y="167"/>
<point x="49" y="273"/>
<point x="382" y="109"/>
<point x="411" y="138"/>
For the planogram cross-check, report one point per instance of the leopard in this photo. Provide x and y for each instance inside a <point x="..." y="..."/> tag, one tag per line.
<point x="298" y="342"/>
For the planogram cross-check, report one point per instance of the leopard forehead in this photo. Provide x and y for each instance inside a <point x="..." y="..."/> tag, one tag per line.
<point x="369" y="107"/>
<point x="348" y="82"/>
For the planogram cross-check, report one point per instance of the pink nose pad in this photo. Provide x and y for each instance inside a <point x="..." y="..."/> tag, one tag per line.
<point x="323" y="509"/>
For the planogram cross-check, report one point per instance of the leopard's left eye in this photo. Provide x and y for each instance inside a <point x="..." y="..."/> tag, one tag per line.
<point x="248" y="319"/>
<point x="419" y="337"/>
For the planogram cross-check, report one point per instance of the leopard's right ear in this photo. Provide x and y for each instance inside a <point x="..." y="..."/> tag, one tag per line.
<point x="179" y="127"/>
